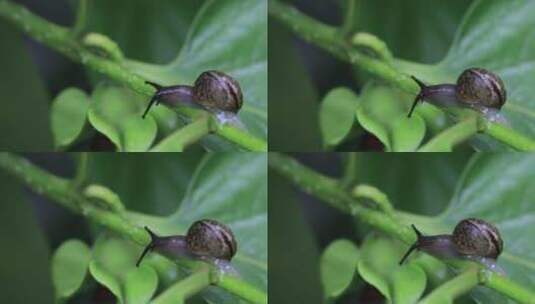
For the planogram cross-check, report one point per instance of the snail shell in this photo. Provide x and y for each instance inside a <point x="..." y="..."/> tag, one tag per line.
<point x="480" y="87"/>
<point x="218" y="91"/>
<point x="211" y="239"/>
<point x="476" y="237"/>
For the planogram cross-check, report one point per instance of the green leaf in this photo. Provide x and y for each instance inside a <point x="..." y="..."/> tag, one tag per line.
<point x="497" y="188"/>
<point x="337" y="115"/>
<point x="338" y="267"/>
<point x="373" y="278"/>
<point x="407" y="133"/>
<point x="378" y="260"/>
<point x="140" y="285"/>
<point x="69" y="267"/>
<point x="68" y="116"/>
<point x="239" y="48"/>
<point x="104" y="277"/>
<point x="383" y="115"/>
<point x="113" y="260"/>
<point x="115" y="255"/>
<point x="116" y="113"/>
<point x="379" y="267"/>
<point x="408" y="284"/>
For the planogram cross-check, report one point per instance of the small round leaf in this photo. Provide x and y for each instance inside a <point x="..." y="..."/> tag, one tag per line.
<point x="69" y="267"/>
<point x="337" y="115"/>
<point x="68" y="116"/>
<point x="338" y="266"/>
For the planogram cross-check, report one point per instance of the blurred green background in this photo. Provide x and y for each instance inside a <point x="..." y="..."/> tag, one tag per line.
<point x="300" y="74"/>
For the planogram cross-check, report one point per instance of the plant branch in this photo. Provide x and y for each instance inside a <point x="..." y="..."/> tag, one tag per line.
<point x="349" y="17"/>
<point x="327" y="189"/>
<point x="331" y="192"/>
<point x="375" y="195"/>
<point x="454" y="288"/>
<point x="350" y="170"/>
<point x="185" y="288"/>
<point x="447" y="139"/>
<point x="61" y="39"/>
<point x="81" y="170"/>
<point x="81" y="18"/>
<point x="182" y="138"/>
<point x="325" y="36"/>
<point x="506" y="286"/>
<point x="235" y="286"/>
<point x="60" y="191"/>
<point x="503" y="134"/>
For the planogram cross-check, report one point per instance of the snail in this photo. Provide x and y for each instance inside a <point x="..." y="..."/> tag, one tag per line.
<point x="207" y="240"/>
<point x="472" y="239"/>
<point x="476" y="88"/>
<point x="213" y="91"/>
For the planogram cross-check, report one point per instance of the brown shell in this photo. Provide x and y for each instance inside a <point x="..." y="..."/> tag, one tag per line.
<point x="215" y="90"/>
<point x="479" y="87"/>
<point x="476" y="237"/>
<point x="209" y="238"/>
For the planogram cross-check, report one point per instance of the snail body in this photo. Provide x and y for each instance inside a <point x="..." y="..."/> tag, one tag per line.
<point x="476" y="88"/>
<point x="213" y="91"/>
<point x="206" y="239"/>
<point x="472" y="239"/>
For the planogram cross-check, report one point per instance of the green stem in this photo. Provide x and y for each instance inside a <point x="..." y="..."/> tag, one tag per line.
<point x="371" y="44"/>
<point x="234" y="285"/>
<point x="506" y="287"/>
<point x="182" y="290"/>
<point x="330" y="191"/>
<point x="61" y="39"/>
<point x="81" y="170"/>
<point x="81" y="18"/>
<point x="454" y="288"/>
<point x="104" y="46"/>
<point x="325" y="36"/>
<point x="189" y="134"/>
<point x="447" y="139"/>
<point x="350" y="170"/>
<point x="59" y="190"/>
<point x="508" y="136"/>
<point x="242" y="138"/>
<point x="375" y="195"/>
<point x="349" y="17"/>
